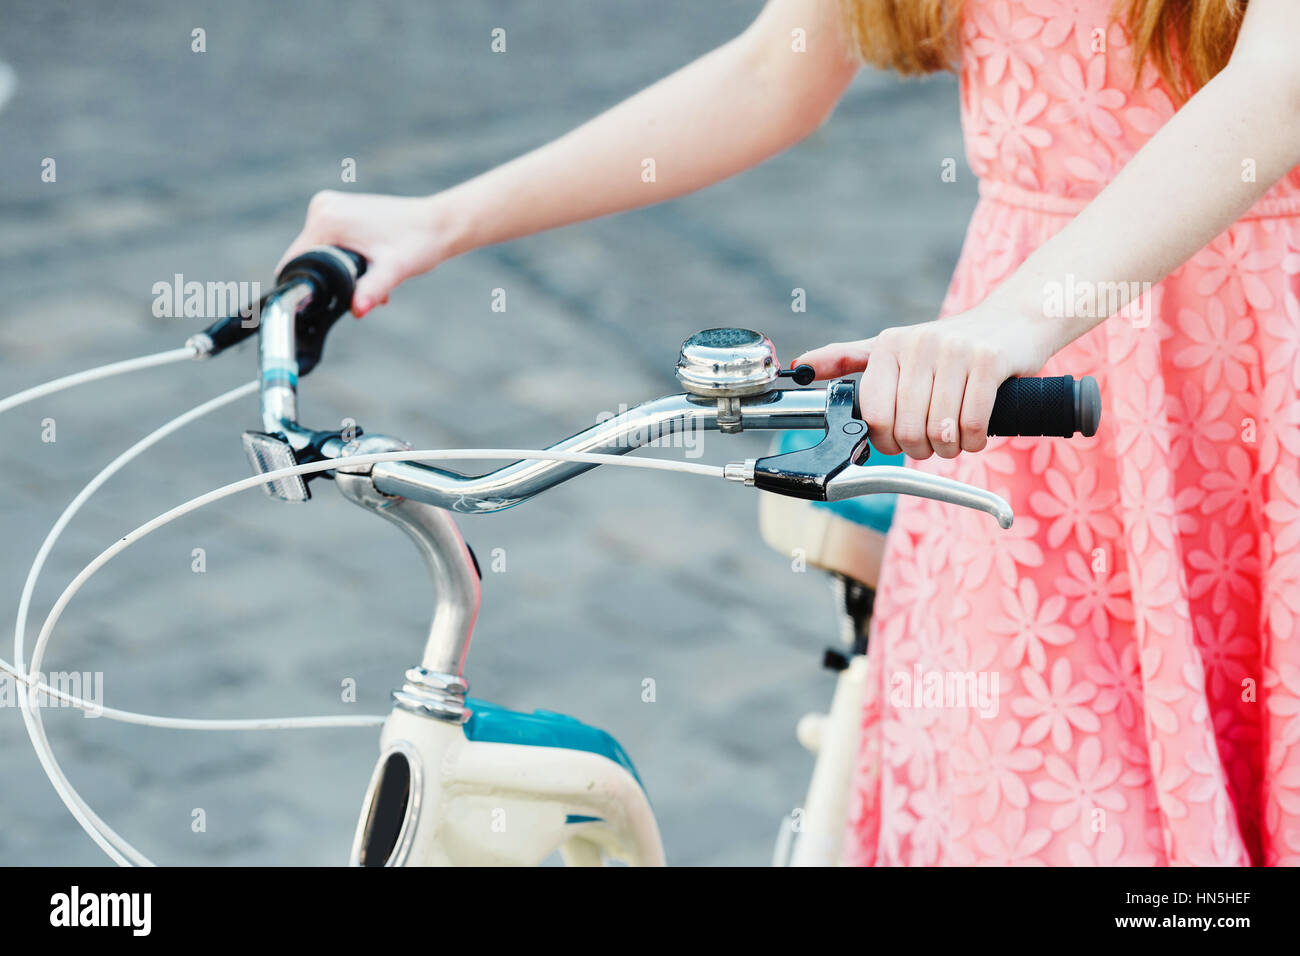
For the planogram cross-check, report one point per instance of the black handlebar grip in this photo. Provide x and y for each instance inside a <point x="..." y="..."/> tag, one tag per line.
<point x="1042" y="407"/>
<point x="332" y="270"/>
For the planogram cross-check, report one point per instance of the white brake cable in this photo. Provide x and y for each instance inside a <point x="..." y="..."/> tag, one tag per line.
<point x="49" y="388"/>
<point x="328" y="464"/>
<point x="260" y="723"/>
<point x="100" y="833"/>
<point x="35" y="727"/>
<point x="93" y="374"/>
<point x="31" y="715"/>
<point x="27" y="679"/>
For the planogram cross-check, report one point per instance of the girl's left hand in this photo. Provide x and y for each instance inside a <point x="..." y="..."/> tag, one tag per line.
<point x="930" y="388"/>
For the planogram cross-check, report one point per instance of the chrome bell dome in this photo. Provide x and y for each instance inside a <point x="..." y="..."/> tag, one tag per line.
<point x="719" y="363"/>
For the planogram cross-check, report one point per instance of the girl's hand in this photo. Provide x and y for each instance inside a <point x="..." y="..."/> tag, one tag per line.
<point x="930" y="388"/>
<point x="399" y="236"/>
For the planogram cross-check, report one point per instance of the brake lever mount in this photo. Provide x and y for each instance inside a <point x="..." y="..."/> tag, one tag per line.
<point x="807" y="473"/>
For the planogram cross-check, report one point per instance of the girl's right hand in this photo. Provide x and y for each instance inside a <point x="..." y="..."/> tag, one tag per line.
<point x="400" y="237"/>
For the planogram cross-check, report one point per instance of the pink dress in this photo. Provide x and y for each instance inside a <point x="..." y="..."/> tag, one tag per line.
<point x="1136" y="634"/>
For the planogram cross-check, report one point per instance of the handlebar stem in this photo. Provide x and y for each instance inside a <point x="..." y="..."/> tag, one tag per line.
<point x="437" y="687"/>
<point x="278" y="357"/>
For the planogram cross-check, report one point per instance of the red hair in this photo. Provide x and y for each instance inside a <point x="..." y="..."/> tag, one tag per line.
<point x="1188" y="41"/>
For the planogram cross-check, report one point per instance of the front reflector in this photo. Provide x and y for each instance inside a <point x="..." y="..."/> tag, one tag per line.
<point x="267" y="453"/>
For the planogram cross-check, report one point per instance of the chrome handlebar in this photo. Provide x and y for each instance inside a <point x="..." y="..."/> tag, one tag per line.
<point x="634" y="428"/>
<point x="731" y="378"/>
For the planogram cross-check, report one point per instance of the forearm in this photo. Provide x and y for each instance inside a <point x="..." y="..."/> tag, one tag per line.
<point x="727" y="111"/>
<point x="1183" y="188"/>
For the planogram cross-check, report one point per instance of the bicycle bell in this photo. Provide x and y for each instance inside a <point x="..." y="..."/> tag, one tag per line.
<point x="728" y="364"/>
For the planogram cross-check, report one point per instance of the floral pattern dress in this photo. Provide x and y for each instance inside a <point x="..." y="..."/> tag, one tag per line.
<point x="1138" y="628"/>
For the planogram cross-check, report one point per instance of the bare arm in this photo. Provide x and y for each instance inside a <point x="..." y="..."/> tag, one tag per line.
<point x="1185" y="186"/>
<point x="1182" y="189"/>
<point x="729" y="110"/>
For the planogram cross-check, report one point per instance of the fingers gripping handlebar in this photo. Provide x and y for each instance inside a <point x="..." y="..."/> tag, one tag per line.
<point x="1045" y="407"/>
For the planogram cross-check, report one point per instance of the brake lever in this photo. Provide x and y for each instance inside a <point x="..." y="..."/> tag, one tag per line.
<point x="858" y="480"/>
<point x="806" y="473"/>
<point x="832" y="469"/>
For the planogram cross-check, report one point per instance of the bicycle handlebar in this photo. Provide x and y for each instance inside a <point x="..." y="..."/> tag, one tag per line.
<point x="634" y="428"/>
<point x="729" y="373"/>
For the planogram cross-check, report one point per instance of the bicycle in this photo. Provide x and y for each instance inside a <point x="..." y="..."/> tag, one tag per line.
<point x="451" y="768"/>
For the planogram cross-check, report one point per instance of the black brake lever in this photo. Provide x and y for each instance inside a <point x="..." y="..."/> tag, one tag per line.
<point x="1057" y="407"/>
<point x="805" y="473"/>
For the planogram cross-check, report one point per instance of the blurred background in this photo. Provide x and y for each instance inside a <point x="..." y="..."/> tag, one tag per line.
<point x="170" y="161"/>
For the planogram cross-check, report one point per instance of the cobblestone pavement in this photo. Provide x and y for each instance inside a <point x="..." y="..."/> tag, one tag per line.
<point x="170" y="161"/>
